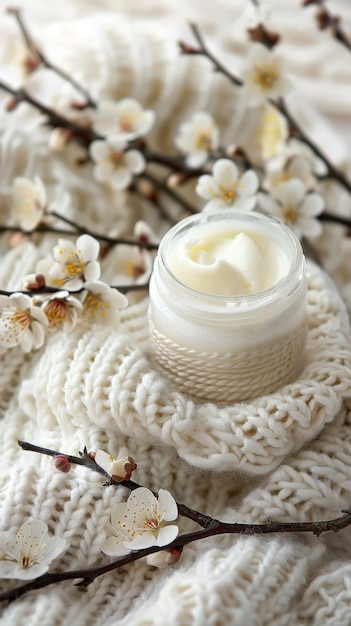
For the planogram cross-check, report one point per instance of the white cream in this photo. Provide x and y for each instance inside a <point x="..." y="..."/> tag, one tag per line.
<point x="228" y="262"/>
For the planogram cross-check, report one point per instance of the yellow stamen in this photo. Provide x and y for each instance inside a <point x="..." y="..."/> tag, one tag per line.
<point x="265" y="76"/>
<point x="290" y="213"/>
<point x="203" y="141"/>
<point x="56" y="311"/>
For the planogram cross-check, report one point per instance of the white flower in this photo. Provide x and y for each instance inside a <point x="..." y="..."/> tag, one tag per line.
<point x="263" y="76"/>
<point x="119" y="469"/>
<point x="142" y="522"/>
<point x="126" y="265"/>
<point x="295" y="167"/>
<point x="226" y="188"/>
<point x="27" y="554"/>
<point x="102" y="303"/>
<point x="254" y="16"/>
<point x="60" y="308"/>
<point x="125" y="119"/>
<point x="75" y="263"/>
<point x="197" y="138"/>
<point x="144" y="233"/>
<point x="290" y="204"/>
<point x="113" y="164"/>
<point x="21" y="323"/>
<point x="28" y="202"/>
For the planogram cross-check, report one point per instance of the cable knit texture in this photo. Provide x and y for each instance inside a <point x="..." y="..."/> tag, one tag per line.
<point x="283" y="456"/>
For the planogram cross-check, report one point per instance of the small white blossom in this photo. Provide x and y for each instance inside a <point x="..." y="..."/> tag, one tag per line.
<point x="28" y="202"/>
<point x="295" y="167"/>
<point x="119" y="469"/>
<point x="291" y="204"/>
<point x="197" y="138"/>
<point x="126" y="265"/>
<point x="264" y="76"/>
<point x="227" y="189"/>
<point x="142" y="522"/>
<point x="254" y="16"/>
<point x="102" y="303"/>
<point x="124" y="120"/>
<point x="21" y="323"/>
<point x="144" y="233"/>
<point x="76" y="263"/>
<point x="113" y="164"/>
<point x="27" y="554"/>
<point x="61" y="309"/>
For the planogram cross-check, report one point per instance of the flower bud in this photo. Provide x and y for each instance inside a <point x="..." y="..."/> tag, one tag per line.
<point x="164" y="558"/>
<point x="62" y="463"/>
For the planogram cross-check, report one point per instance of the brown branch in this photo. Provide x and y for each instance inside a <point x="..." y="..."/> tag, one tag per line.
<point x="43" y="60"/>
<point x="333" y="172"/>
<point x="335" y="219"/>
<point x="325" y="20"/>
<point x="128" y="241"/>
<point x="85" y="460"/>
<point x="170" y="192"/>
<point x="105" y="238"/>
<point x="210" y="528"/>
<point x="88" y="575"/>
<point x="81" y="134"/>
<point x="204" y="51"/>
<point x="47" y="290"/>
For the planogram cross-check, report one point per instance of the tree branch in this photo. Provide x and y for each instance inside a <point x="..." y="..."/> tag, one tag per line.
<point x="333" y="172"/>
<point x="35" y="50"/>
<point x="210" y="528"/>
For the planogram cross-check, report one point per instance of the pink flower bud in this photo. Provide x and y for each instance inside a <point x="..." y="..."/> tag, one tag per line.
<point x="62" y="463"/>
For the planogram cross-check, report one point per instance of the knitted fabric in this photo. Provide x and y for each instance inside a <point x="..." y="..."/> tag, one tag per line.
<point x="283" y="456"/>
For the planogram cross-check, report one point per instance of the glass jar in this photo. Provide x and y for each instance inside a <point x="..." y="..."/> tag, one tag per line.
<point x="228" y="348"/>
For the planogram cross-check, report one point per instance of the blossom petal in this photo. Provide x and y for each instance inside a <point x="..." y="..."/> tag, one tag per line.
<point x="146" y="540"/>
<point x="167" y="534"/>
<point x="269" y="204"/>
<point x="207" y="187"/>
<point x="121" y="178"/>
<point x="99" y="150"/>
<point x="167" y="506"/>
<point x="113" y="547"/>
<point x="88" y="247"/>
<point x="310" y="227"/>
<point x="196" y="159"/>
<point x="291" y="191"/>
<point x="225" y="172"/>
<point x="8" y="569"/>
<point x="312" y="205"/>
<point x="248" y="183"/>
<point x="135" y="161"/>
<point x="30" y="573"/>
<point x="55" y="547"/>
<point x="103" y="459"/>
<point x="103" y="170"/>
<point x="245" y="204"/>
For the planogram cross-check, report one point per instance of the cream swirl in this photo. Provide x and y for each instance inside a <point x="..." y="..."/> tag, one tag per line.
<point x="228" y="263"/>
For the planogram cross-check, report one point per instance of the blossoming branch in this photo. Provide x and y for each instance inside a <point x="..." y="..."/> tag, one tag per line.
<point x="143" y="526"/>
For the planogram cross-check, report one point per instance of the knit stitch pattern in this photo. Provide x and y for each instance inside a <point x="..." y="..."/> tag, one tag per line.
<point x="282" y="456"/>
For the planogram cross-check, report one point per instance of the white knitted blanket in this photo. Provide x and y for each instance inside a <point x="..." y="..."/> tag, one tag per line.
<point x="286" y="456"/>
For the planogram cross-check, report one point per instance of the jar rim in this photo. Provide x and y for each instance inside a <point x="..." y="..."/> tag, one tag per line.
<point x="271" y="226"/>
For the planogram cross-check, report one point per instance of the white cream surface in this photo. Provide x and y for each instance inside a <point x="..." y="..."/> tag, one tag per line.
<point x="223" y="261"/>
